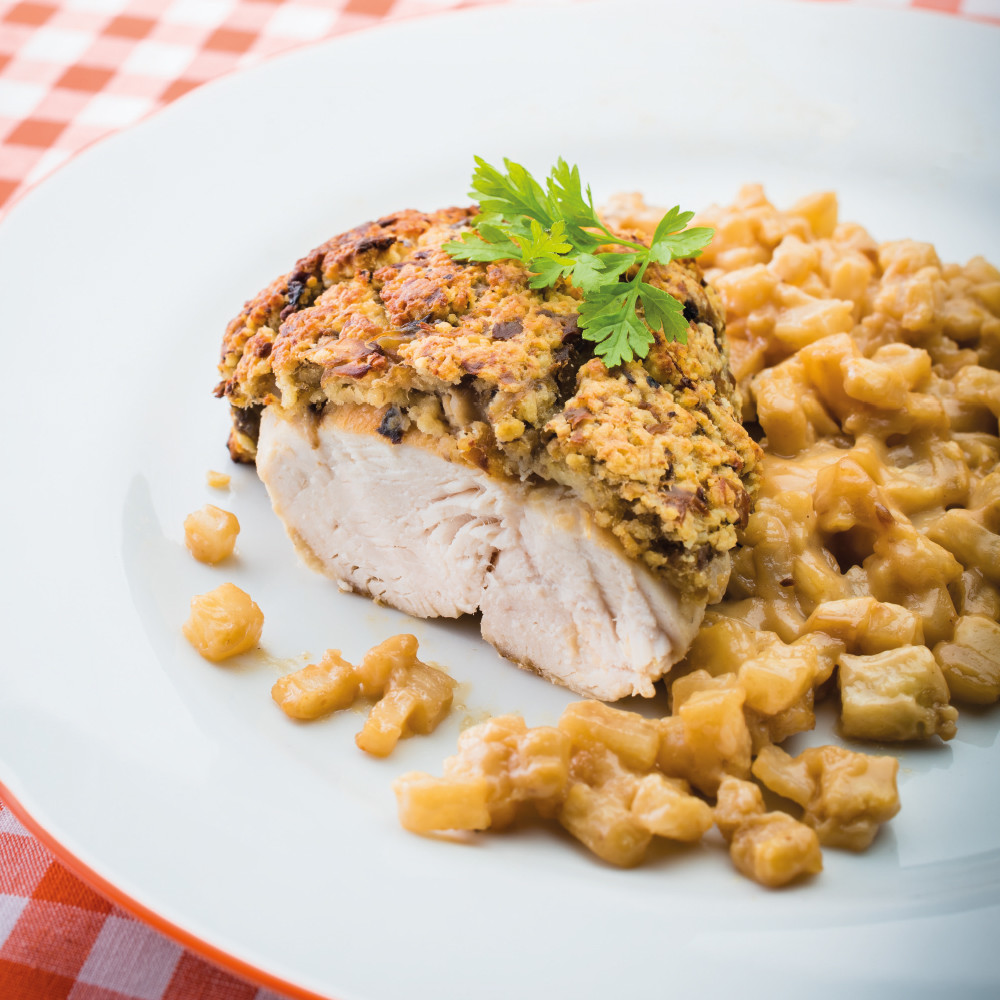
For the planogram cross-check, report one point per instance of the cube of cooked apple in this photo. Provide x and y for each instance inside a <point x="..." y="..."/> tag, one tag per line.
<point x="900" y="694"/>
<point x="210" y="534"/>
<point x="985" y="499"/>
<point x="774" y="674"/>
<point x="971" y="660"/>
<point x="856" y="794"/>
<point x="722" y="644"/>
<point x="684" y="687"/>
<point x="632" y="737"/>
<point x="770" y="847"/>
<point x="777" y="678"/>
<point x="666" y="807"/>
<point x="434" y="691"/>
<point x="972" y="543"/>
<point x="774" y="849"/>
<point x="419" y="697"/>
<point x="768" y="729"/>
<point x="820" y="210"/>
<point x="785" y="775"/>
<point x="518" y="764"/>
<point x="223" y="622"/>
<point x="846" y="795"/>
<point x="867" y="625"/>
<point x="217" y="480"/>
<point x="604" y="824"/>
<point x="317" y="689"/>
<point x="426" y="804"/>
<point x="973" y="594"/>
<point x="539" y="766"/>
<point x="827" y="650"/>
<point x="414" y="696"/>
<point x="386" y="722"/>
<point x="398" y="652"/>
<point x="736" y="802"/>
<point x="485" y="751"/>
<point x="707" y="737"/>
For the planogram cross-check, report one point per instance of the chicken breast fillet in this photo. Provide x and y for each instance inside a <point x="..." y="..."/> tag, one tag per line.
<point x="438" y="436"/>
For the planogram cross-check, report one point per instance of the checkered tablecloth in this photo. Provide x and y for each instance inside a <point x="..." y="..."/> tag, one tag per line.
<point x="70" y="73"/>
<point x="60" y="940"/>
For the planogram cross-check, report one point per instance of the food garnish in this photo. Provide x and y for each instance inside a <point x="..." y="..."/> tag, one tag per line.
<point x="557" y="233"/>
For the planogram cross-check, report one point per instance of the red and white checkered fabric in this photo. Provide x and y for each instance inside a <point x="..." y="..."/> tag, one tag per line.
<point x="60" y="940"/>
<point x="72" y="71"/>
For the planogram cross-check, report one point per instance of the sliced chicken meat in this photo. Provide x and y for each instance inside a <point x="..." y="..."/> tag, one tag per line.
<point x="433" y="537"/>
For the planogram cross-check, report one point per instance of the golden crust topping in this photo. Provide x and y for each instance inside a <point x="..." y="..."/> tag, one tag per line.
<point x="673" y="461"/>
<point x="383" y="316"/>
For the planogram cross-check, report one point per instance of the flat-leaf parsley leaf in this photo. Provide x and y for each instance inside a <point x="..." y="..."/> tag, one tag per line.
<point x="556" y="233"/>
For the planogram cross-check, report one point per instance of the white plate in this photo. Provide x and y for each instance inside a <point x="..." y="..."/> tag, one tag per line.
<point x="178" y="782"/>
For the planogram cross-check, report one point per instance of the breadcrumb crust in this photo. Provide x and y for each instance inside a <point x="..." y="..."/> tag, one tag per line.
<point x="382" y="316"/>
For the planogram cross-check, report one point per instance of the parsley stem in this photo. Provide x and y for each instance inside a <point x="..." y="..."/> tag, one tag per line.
<point x="612" y="238"/>
<point x="637" y="280"/>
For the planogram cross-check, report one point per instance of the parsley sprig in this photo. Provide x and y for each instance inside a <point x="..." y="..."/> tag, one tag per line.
<point x="556" y="233"/>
